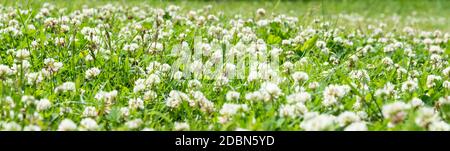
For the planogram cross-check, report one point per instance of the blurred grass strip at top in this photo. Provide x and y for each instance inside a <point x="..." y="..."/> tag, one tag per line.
<point x="302" y="8"/>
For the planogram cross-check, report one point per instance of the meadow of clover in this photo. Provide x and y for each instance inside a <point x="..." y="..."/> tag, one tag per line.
<point x="218" y="65"/>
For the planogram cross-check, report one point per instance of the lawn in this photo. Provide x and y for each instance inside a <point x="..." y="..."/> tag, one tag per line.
<point x="225" y="65"/>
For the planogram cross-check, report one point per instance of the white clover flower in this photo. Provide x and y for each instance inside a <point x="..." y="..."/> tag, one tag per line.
<point x="252" y="76"/>
<point x="357" y="105"/>
<point x="300" y="76"/>
<point x="410" y="86"/>
<point x="292" y="110"/>
<point x="395" y="112"/>
<point x="43" y="105"/>
<point x="232" y="95"/>
<point x="67" y="125"/>
<point x="347" y="118"/>
<point x="60" y="41"/>
<point x="32" y="128"/>
<point x="131" y="47"/>
<point x="65" y="87"/>
<point x="288" y="66"/>
<point x="181" y="126"/>
<point x="133" y="124"/>
<point x="89" y="58"/>
<point x="321" y="44"/>
<point x="150" y="95"/>
<point x="22" y="54"/>
<point x="91" y="73"/>
<point x="261" y="12"/>
<point x="318" y="122"/>
<point x="196" y="67"/>
<point x="436" y="60"/>
<point x="357" y="126"/>
<point x="124" y="111"/>
<point x="90" y="111"/>
<point x="444" y="100"/>
<point x="387" y="90"/>
<point x="27" y="99"/>
<point x="88" y="124"/>
<point x="387" y="61"/>
<point x="229" y="69"/>
<point x="31" y="27"/>
<point x="446" y="84"/>
<point x="333" y="93"/>
<point x="65" y="28"/>
<point x="177" y="75"/>
<point x="313" y="85"/>
<point x="300" y="97"/>
<point x="439" y="126"/>
<point x="253" y="96"/>
<point x="241" y="129"/>
<point x="229" y="109"/>
<point x="153" y="67"/>
<point x="446" y="72"/>
<point x="165" y="68"/>
<point x="409" y="30"/>
<point x="152" y="79"/>
<point x="136" y="103"/>
<point x="204" y="104"/>
<point x="425" y="116"/>
<point x="431" y="80"/>
<point x="436" y="49"/>
<point x="12" y="126"/>
<point x="360" y="75"/>
<point x="428" y="41"/>
<point x="176" y="98"/>
<point x="5" y="71"/>
<point x="106" y="96"/>
<point x="401" y="70"/>
<point x="139" y="85"/>
<point x="34" y="78"/>
<point x="52" y="66"/>
<point x="416" y="102"/>
<point x="272" y="89"/>
<point x="50" y="22"/>
<point x="194" y="84"/>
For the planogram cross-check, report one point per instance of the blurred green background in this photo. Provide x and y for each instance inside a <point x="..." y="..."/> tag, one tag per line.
<point x="433" y="14"/>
